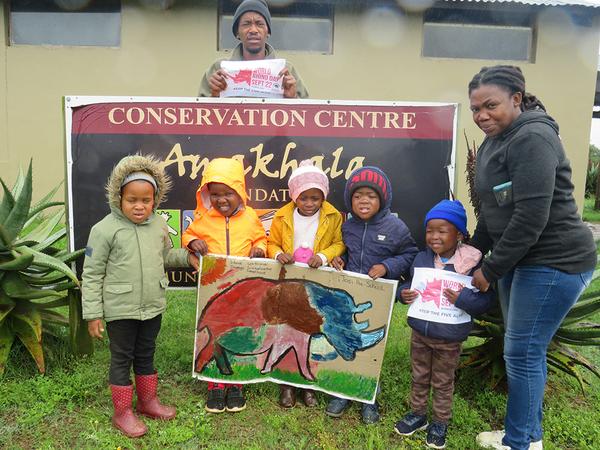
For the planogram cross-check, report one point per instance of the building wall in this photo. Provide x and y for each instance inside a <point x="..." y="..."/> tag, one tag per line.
<point x="164" y="53"/>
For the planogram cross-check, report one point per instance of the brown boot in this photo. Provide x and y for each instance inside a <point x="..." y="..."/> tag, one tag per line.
<point x="287" y="396"/>
<point x="309" y="397"/>
<point x="148" y="403"/>
<point x="123" y="418"/>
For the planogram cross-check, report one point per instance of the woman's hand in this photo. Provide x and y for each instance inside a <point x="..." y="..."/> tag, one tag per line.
<point x="479" y="281"/>
<point x="96" y="328"/>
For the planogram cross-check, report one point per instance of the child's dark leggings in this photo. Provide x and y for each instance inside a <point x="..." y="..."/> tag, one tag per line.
<point x="131" y="342"/>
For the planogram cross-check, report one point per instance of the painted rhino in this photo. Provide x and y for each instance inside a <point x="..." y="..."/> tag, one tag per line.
<point x="259" y="316"/>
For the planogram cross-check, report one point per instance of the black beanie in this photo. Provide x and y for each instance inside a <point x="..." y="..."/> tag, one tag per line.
<point x="258" y="6"/>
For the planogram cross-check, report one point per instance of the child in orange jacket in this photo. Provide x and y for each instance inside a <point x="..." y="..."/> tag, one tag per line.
<point x="224" y="224"/>
<point x="308" y="229"/>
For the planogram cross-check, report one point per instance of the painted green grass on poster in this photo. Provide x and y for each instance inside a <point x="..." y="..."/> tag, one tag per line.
<point x="350" y="384"/>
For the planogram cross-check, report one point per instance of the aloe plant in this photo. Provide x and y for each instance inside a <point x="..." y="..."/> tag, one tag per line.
<point x="35" y="277"/>
<point x="561" y="356"/>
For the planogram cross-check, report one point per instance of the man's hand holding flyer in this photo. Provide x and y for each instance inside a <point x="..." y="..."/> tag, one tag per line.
<point x="259" y="78"/>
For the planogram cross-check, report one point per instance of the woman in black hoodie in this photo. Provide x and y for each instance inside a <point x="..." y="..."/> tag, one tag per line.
<point x="541" y="254"/>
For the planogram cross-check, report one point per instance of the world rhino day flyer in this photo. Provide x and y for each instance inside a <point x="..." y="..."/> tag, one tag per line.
<point x="432" y="304"/>
<point x="254" y="78"/>
<point x="258" y="320"/>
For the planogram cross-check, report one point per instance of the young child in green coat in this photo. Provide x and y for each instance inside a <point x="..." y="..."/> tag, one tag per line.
<point x="124" y="284"/>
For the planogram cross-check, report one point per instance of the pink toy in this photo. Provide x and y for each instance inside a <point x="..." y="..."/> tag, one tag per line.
<point x="303" y="253"/>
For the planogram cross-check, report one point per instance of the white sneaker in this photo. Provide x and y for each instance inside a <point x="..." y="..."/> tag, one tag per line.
<point x="492" y="439"/>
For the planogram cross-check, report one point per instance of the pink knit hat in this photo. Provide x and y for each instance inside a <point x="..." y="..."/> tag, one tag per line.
<point x="305" y="177"/>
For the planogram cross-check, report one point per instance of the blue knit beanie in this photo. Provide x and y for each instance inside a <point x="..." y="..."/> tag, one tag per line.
<point x="451" y="210"/>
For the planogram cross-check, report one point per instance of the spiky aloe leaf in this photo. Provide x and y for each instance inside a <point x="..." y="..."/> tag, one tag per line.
<point x="5" y="240"/>
<point x="53" y="317"/>
<point x="69" y="257"/>
<point x="52" y="304"/>
<point x="6" y="306"/>
<point x="583" y="332"/>
<point x="582" y="309"/>
<point x="34" y="212"/>
<point x="565" y="364"/>
<point x="28" y="328"/>
<point x="27" y="317"/>
<point x="8" y="202"/>
<point x="18" y="263"/>
<point x="18" y="215"/>
<point x="7" y="337"/>
<point x="45" y="245"/>
<point x="43" y="280"/>
<point x="81" y="341"/>
<point x="43" y="260"/>
<point x="45" y="228"/>
<point x="16" y="288"/>
<point x="19" y="182"/>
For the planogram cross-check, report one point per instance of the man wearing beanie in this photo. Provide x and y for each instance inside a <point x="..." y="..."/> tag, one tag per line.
<point x="252" y="27"/>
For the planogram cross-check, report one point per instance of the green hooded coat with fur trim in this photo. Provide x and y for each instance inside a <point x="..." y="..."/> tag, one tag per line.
<point x="124" y="269"/>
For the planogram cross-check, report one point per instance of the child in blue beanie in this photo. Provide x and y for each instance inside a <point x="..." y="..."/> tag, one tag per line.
<point x="435" y="346"/>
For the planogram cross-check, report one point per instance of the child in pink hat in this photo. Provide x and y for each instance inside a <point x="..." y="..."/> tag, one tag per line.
<point x="308" y="229"/>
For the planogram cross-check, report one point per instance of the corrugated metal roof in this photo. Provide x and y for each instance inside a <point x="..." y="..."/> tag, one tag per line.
<point x="584" y="3"/>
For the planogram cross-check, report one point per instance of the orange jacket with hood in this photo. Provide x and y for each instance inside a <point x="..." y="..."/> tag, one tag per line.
<point x="234" y="235"/>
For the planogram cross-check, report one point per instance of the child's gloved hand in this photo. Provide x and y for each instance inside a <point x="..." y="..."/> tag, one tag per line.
<point x="408" y="296"/>
<point x="337" y="263"/>
<point x="256" y="252"/>
<point x="96" y="328"/>
<point x="194" y="261"/>
<point x="377" y="271"/>
<point x="285" y="258"/>
<point x="315" y="261"/>
<point x="198" y="245"/>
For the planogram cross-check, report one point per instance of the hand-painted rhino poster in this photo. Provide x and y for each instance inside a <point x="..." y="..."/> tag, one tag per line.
<point x="432" y="304"/>
<point x="260" y="321"/>
<point x="412" y="142"/>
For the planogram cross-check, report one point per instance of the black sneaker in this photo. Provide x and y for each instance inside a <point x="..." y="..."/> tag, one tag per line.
<point x="411" y="423"/>
<point x="235" y="399"/>
<point x="436" y="435"/>
<point x="215" y="401"/>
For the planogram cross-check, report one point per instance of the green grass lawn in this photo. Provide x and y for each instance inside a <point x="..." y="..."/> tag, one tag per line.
<point x="589" y="214"/>
<point x="70" y="406"/>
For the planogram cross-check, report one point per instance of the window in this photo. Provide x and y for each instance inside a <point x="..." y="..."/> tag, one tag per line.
<point x="478" y="33"/>
<point x="65" y="22"/>
<point x="290" y="25"/>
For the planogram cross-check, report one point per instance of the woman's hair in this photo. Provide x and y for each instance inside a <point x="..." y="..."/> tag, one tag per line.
<point x="509" y="78"/>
